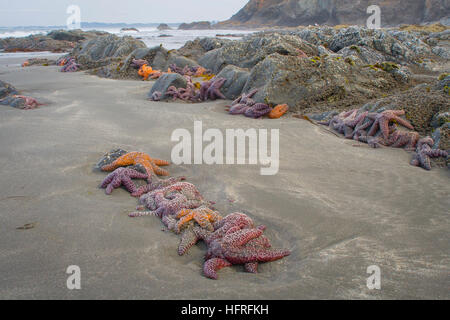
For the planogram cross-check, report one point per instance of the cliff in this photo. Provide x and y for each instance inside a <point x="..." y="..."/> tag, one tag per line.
<point x="336" y="12"/>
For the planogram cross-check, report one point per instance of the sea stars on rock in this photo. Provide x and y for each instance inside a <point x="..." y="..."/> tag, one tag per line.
<point x="424" y="153"/>
<point x="29" y="102"/>
<point x="70" y="65"/>
<point x="151" y="165"/>
<point x="138" y="63"/>
<point x="122" y="176"/>
<point x="382" y="120"/>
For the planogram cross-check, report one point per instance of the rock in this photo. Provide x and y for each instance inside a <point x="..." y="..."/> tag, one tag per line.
<point x="55" y="41"/>
<point x="129" y="29"/>
<point x="12" y="101"/>
<point x="196" y="48"/>
<point x="440" y="119"/>
<point x="67" y="35"/>
<point x="251" y="50"/>
<point x="165" y="36"/>
<point x="441" y="137"/>
<point x="163" y="26"/>
<point x="236" y="79"/>
<point x="165" y="81"/>
<point x="200" y="25"/>
<point x="372" y="45"/>
<point x="104" y="50"/>
<point x="334" y="12"/>
<point x="315" y="82"/>
<point x="6" y="89"/>
<point x="110" y="157"/>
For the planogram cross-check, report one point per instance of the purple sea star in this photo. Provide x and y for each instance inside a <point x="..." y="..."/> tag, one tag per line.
<point x="122" y="176"/>
<point x="382" y="120"/>
<point x="424" y="152"/>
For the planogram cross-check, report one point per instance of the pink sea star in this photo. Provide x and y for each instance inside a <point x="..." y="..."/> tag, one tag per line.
<point x="237" y="248"/>
<point x="382" y="120"/>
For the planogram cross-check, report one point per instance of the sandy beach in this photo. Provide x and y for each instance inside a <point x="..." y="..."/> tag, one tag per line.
<point x="339" y="205"/>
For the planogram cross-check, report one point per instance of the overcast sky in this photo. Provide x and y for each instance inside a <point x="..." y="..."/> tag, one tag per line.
<point x="51" y="12"/>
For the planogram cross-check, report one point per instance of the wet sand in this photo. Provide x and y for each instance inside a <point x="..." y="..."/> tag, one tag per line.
<point x="339" y="207"/>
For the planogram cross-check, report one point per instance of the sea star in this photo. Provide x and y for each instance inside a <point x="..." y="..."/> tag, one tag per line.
<point x="382" y="120"/>
<point x="239" y="109"/>
<point x="204" y="216"/>
<point x="173" y="92"/>
<point x="237" y="248"/>
<point x="257" y="110"/>
<point x="138" y="63"/>
<point x="424" y="152"/>
<point x="29" y="102"/>
<point x="244" y="98"/>
<point x="188" y="235"/>
<point x="229" y="224"/>
<point x="157" y="183"/>
<point x="213" y="91"/>
<point x="70" y="65"/>
<point x="145" y="71"/>
<point x="170" y="200"/>
<point x="133" y="158"/>
<point x="122" y="176"/>
<point x="278" y="111"/>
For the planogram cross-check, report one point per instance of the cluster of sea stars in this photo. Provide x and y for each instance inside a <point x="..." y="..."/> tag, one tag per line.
<point x="69" y="65"/>
<point x="146" y="71"/>
<point x="191" y="71"/>
<point x="381" y="129"/>
<point x="231" y="240"/>
<point x="245" y="105"/>
<point x="209" y="90"/>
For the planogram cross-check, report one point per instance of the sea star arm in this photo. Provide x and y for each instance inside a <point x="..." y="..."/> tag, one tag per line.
<point x="213" y="265"/>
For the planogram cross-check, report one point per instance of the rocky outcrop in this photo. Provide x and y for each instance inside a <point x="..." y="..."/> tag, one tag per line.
<point x="236" y="79"/>
<point x="336" y="12"/>
<point x="328" y="81"/>
<point x="157" y="57"/>
<point x="199" y="25"/>
<point x="253" y="49"/>
<point x="54" y="41"/>
<point x="104" y="50"/>
<point x="164" y="26"/>
<point x="197" y="48"/>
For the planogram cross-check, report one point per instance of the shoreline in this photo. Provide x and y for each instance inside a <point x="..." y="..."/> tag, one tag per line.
<point x="338" y="207"/>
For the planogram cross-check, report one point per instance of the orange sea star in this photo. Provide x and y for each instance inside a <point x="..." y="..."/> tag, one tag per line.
<point x="151" y="165"/>
<point x="204" y="216"/>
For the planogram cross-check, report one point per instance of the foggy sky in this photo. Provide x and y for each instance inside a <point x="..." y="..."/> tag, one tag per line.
<point x="51" y="12"/>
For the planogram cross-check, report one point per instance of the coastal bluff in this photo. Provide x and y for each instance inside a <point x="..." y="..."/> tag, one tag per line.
<point x="259" y="13"/>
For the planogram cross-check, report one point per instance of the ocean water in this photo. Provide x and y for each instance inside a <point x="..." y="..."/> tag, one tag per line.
<point x="151" y="36"/>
